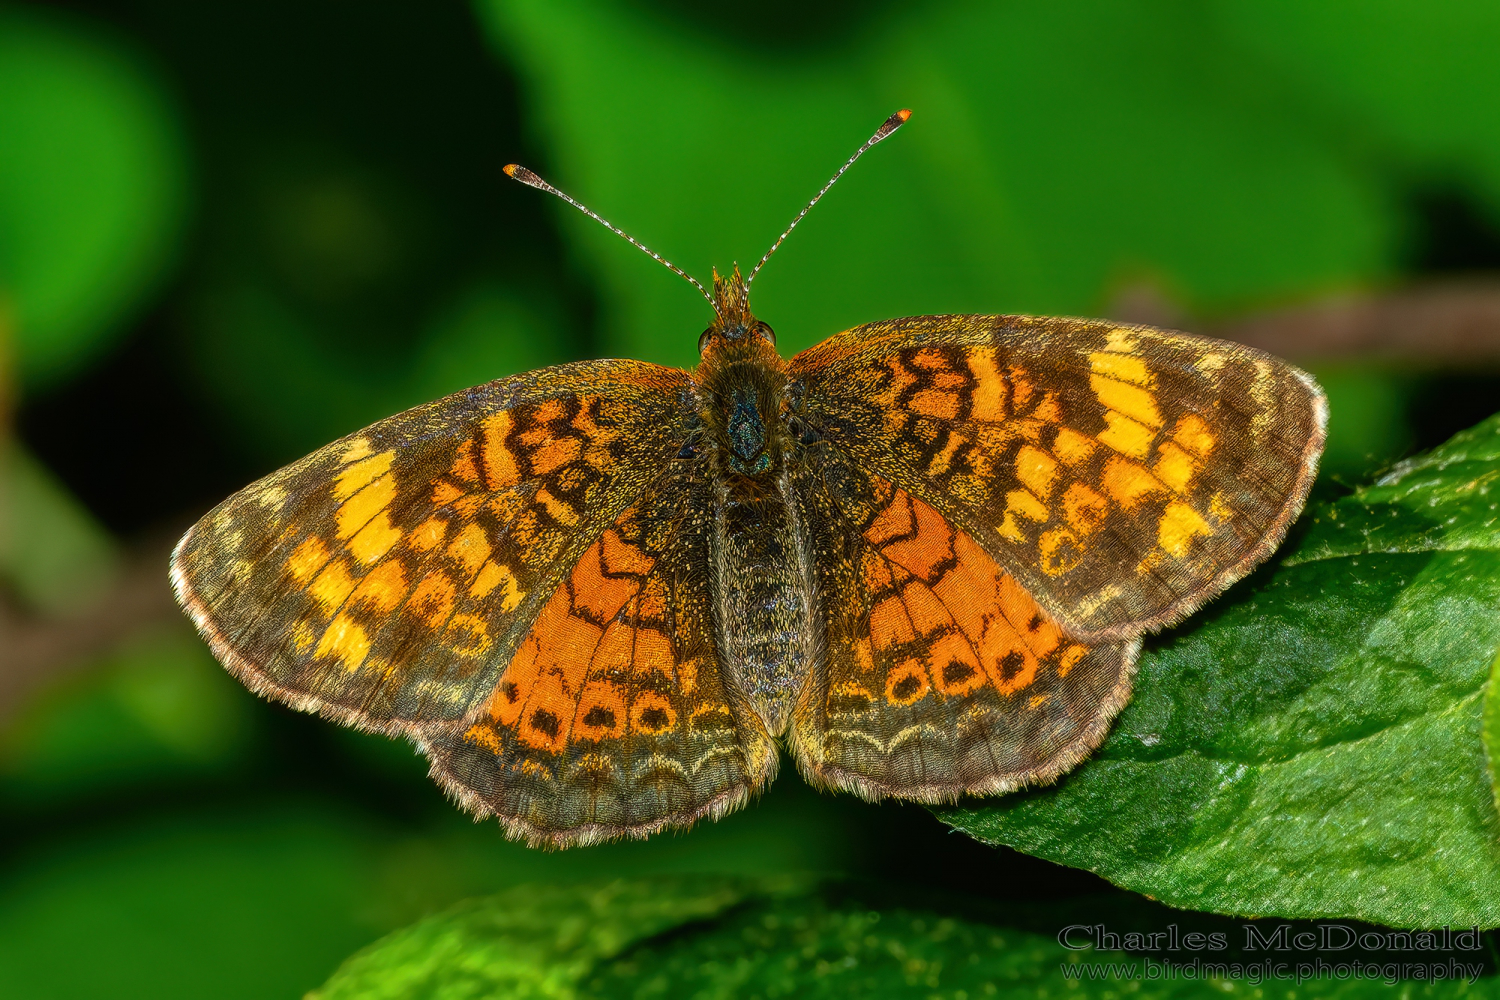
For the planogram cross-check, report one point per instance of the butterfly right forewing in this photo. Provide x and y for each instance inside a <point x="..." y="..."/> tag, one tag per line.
<point x="1122" y="474"/>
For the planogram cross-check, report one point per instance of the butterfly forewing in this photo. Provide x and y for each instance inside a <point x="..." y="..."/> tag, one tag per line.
<point x="614" y="717"/>
<point x="386" y="579"/>
<point x="1121" y="474"/>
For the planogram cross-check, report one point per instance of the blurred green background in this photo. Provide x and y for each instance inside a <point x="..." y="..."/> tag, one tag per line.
<point x="232" y="232"/>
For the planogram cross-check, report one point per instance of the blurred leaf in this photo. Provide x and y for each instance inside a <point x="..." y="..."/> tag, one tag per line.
<point x="256" y="888"/>
<point x="296" y="391"/>
<point x="156" y="707"/>
<point x="1412" y="82"/>
<point x="710" y="937"/>
<point x="1055" y="150"/>
<point x="1313" y="746"/>
<point x="53" y="554"/>
<point x="92" y="188"/>
<point x="217" y="902"/>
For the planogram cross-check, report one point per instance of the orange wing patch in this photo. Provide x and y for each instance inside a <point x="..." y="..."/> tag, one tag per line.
<point x="935" y="593"/>
<point x="578" y="674"/>
<point x="945" y="676"/>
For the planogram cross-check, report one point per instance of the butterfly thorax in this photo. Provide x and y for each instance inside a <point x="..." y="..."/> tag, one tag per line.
<point x="761" y="572"/>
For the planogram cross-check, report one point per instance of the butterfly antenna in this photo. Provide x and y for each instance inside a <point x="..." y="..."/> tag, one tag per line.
<point x="531" y="179"/>
<point x="890" y="125"/>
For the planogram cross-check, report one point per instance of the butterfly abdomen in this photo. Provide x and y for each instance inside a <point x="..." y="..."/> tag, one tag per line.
<point x="761" y="579"/>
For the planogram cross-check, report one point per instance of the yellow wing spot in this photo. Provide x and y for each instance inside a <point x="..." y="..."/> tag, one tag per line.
<point x="303" y="635"/>
<point x="1174" y="467"/>
<point x="560" y="510"/>
<point x="482" y="735"/>
<point x="1060" y="551"/>
<point x="332" y="586"/>
<point x="444" y="494"/>
<point x="1070" y="659"/>
<point x="687" y="675"/>
<point x="374" y="539"/>
<point x="1036" y="470"/>
<point x="357" y="511"/>
<point x="987" y="402"/>
<point x="307" y="559"/>
<point x="1073" y="447"/>
<point x="1263" y="391"/>
<point x="355" y="450"/>
<point x="353" y="478"/>
<point x="548" y="411"/>
<point x="1037" y="700"/>
<point x="1180" y="524"/>
<point x="345" y="640"/>
<point x="1128" y="483"/>
<point x="499" y="463"/>
<point x="1136" y="403"/>
<point x="471" y="548"/>
<point x="1048" y="410"/>
<point x="851" y="689"/>
<point x="554" y="455"/>
<point x="271" y="496"/>
<point x="382" y="589"/>
<point x="1022" y="503"/>
<point x="1125" y="367"/>
<point x="935" y="403"/>
<point x="1122" y="341"/>
<point x="1219" y="507"/>
<point x="428" y="535"/>
<point x="1125" y="435"/>
<point x="467" y="635"/>
<point x="862" y="656"/>
<point x="498" y="575"/>
<point x="433" y="598"/>
<point x="1084" y="509"/>
<point x="463" y="464"/>
<point x="1194" y="435"/>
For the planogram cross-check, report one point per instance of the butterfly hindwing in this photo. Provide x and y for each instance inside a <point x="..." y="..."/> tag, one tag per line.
<point x="613" y="716"/>
<point x="385" y="579"/>
<point x="943" y="676"/>
<point x="1121" y="474"/>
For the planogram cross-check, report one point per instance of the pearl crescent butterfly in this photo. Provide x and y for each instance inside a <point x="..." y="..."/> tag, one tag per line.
<point x="921" y="554"/>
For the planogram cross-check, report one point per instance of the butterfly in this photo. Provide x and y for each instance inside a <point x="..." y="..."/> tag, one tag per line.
<point x="921" y="555"/>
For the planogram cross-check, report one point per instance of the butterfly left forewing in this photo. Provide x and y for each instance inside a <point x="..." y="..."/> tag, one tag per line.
<point x="943" y="676"/>
<point x="385" y="579"/>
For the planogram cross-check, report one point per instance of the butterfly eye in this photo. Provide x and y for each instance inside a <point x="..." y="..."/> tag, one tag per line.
<point x="703" y="339"/>
<point x="765" y="331"/>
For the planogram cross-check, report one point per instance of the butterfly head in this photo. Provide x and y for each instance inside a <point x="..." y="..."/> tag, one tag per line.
<point x="735" y="330"/>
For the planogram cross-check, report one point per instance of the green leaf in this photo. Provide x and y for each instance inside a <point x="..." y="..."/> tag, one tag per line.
<point x="1492" y="727"/>
<point x="93" y="178"/>
<point x="1311" y="745"/>
<point x="529" y="942"/>
<point x="710" y="937"/>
